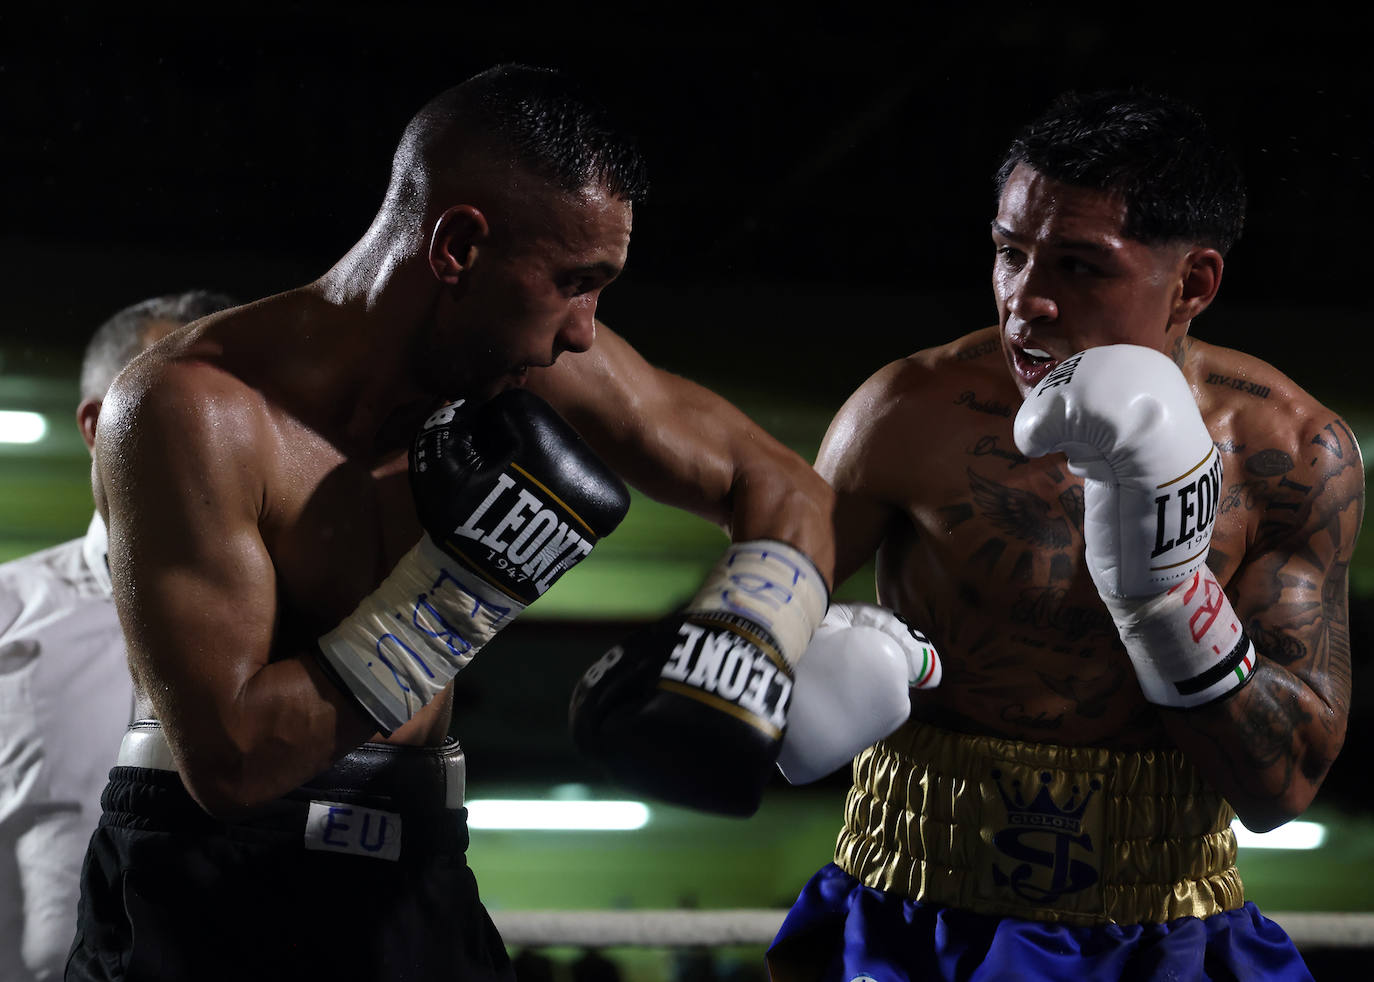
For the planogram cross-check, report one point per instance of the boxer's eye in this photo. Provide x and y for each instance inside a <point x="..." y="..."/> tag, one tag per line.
<point x="1014" y="258"/>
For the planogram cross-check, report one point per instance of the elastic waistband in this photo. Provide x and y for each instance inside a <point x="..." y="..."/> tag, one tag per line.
<point x="1074" y="834"/>
<point x="369" y="803"/>
<point x="424" y="775"/>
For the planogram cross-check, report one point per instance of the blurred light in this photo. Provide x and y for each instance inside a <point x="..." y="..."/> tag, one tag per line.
<point x="1293" y="835"/>
<point x="21" y="427"/>
<point x="589" y="816"/>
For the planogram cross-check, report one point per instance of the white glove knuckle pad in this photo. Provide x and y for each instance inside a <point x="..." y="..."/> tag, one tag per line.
<point x="922" y="661"/>
<point x="1126" y="420"/>
<point x="850" y="691"/>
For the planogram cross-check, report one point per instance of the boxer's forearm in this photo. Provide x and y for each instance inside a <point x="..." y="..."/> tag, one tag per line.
<point x="781" y="497"/>
<point x="1267" y="748"/>
<point x="287" y="723"/>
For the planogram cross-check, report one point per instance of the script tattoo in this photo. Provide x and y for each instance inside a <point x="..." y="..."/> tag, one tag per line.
<point x="987" y="447"/>
<point x="970" y="399"/>
<point x="1044" y="608"/>
<point x="1239" y="384"/>
<point x="1019" y="513"/>
<point x="978" y="350"/>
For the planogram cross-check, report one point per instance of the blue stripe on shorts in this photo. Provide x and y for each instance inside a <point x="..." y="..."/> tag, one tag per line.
<point x="840" y="930"/>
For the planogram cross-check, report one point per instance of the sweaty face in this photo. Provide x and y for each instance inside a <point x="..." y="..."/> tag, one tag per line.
<point x="1065" y="278"/>
<point x="531" y="291"/>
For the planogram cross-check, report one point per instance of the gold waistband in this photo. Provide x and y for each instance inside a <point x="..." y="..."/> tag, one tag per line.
<point x="1081" y="835"/>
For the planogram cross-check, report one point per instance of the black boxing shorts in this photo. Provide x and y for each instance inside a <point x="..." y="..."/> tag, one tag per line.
<point x="360" y="874"/>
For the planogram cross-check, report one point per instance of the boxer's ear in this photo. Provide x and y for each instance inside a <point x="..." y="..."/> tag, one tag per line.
<point x="86" y="414"/>
<point x="1199" y="278"/>
<point x="454" y="240"/>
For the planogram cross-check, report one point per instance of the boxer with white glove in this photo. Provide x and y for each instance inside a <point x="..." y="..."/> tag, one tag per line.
<point x="510" y="499"/>
<point x="852" y="688"/>
<point x="692" y="709"/>
<point x="1125" y="418"/>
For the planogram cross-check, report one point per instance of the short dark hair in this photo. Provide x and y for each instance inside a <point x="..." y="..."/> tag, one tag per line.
<point x="545" y="120"/>
<point x="119" y="339"/>
<point x="1178" y="183"/>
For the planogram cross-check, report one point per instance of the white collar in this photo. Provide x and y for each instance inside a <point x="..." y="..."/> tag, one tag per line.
<point x="95" y="550"/>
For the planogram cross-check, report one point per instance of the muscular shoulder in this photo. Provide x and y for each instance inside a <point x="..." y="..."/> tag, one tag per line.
<point x="909" y="406"/>
<point x="173" y="412"/>
<point x="1254" y="408"/>
<point x="1291" y="461"/>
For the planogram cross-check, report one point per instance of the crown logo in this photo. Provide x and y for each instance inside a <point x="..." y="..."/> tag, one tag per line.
<point x="1042" y="811"/>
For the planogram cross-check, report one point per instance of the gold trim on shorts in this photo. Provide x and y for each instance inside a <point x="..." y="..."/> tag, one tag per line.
<point x="1080" y="835"/>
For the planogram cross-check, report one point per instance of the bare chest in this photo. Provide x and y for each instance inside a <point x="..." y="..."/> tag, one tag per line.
<point x="989" y="559"/>
<point x="334" y="527"/>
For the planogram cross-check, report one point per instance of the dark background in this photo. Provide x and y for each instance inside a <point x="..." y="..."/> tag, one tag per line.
<point x="795" y="151"/>
<point x="821" y="185"/>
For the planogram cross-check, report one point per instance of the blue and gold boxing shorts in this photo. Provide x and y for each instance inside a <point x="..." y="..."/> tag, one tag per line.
<point x="977" y="858"/>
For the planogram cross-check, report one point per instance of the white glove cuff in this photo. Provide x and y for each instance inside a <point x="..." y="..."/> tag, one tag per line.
<point x="408" y="638"/>
<point x="769" y="584"/>
<point x="1187" y="645"/>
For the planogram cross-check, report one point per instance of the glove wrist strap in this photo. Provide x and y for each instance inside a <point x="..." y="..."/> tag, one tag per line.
<point x="408" y="638"/>
<point x="1187" y="644"/>
<point x="769" y="584"/>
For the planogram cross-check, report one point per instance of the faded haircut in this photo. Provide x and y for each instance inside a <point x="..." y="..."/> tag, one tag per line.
<point x="119" y="339"/>
<point x="1178" y="183"/>
<point x="540" y="118"/>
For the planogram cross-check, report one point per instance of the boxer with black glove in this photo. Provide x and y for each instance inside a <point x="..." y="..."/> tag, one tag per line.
<point x="510" y="499"/>
<point x="692" y="709"/>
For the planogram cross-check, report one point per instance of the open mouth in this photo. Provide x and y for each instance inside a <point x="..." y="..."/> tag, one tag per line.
<point x="1032" y="364"/>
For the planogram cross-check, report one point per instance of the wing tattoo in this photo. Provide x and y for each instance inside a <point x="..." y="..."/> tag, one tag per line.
<point x="1018" y="513"/>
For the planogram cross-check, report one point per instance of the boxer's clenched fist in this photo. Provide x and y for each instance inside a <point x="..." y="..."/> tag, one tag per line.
<point x="1125" y="417"/>
<point x="692" y="709"/>
<point x="510" y="498"/>
<point x="851" y="688"/>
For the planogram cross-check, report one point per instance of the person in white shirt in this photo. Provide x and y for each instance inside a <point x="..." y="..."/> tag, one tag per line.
<point x="65" y="692"/>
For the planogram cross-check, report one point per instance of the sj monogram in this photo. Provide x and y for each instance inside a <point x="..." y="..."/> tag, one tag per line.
<point x="1044" y="850"/>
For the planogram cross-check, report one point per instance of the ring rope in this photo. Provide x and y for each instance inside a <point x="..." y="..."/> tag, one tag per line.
<point x="758" y="926"/>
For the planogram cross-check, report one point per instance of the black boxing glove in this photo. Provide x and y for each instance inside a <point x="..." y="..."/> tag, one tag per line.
<point x="510" y="498"/>
<point x="692" y="709"/>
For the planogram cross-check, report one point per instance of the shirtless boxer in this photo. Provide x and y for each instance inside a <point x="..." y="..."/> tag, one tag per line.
<point x="65" y="694"/>
<point x="1060" y="806"/>
<point x="299" y="574"/>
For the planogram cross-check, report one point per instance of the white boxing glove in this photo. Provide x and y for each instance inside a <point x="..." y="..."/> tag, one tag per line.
<point x="851" y="688"/>
<point x="1125" y="418"/>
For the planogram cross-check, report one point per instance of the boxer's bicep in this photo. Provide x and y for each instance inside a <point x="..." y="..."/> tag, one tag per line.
<point x="1292" y="591"/>
<point x="856" y="459"/>
<point x="193" y="581"/>
<point x="684" y="445"/>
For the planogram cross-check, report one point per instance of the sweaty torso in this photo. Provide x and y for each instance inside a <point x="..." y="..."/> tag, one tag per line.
<point x="984" y="549"/>
<point x="334" y="516"/>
